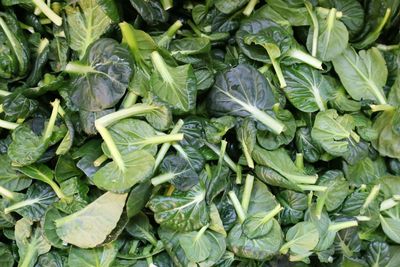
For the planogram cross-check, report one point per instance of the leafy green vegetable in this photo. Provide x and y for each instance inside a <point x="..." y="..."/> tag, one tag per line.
<point x="89" y="227"/>
<point x="307" y="89"/>
<point x="101" y="77"/>
<point x="244" y="92"/>
<point x="176" y="86"/>
<point x="87" y="21"/>
<point x="335" y="134"/>
<point x="14" y="53"/>
<point x="332" y="36"/>
<point x="30" y="242"/>
<point x="363" y="74"/>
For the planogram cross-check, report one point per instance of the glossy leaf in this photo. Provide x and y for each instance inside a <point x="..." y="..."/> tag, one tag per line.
<point x="138" y="166"/>
<point x="307" y="89"/>
<point x="86" y="22"/>
<point x="169" y="210"/>
<point x="365" y="71"/>
<point x="102" y="77"/>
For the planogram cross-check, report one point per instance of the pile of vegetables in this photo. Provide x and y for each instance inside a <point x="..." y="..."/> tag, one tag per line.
<point x="199" y="133"/>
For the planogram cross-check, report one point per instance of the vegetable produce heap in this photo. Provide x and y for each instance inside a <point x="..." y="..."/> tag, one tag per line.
<point x="199" y="133"/>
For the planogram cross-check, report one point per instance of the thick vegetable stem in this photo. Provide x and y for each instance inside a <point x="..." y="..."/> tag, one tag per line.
<point x="161" y="67"/>
<point x="112" y="147"/>
<point x="238" y="207"/>
<point x="315" y="26"/>
<point x="320" y="204"/>
<point x="271" y="214"/>
<point x="227" y="159"/>
<point x="48" y="12"/>
<point x="370" y="198"/>
<point x="275" y="64"/>
<point x="306" y="58"/>
<point x="316" y="188"/>
<point x="248" y="187"/>
<point x="250" y="7"/>
<point x="201" y="232"/>
<point x="342" y="225"/>
<point x="247" y="155"/>
<point x="164" y="148"/>
<point x="163" y="178"/>
<point x="174" y="28"/>
<point x="103" y="122"/>
<point x="390" y="203"/>
<point x="52" y="121"/>
<point x="167" y="4"/>
<point x="275" y="125"/>
<point x="78" y="68"/>
<point x="7" y="194"/>
<point x="128" y="37"/>
<point x="8" y="125"/>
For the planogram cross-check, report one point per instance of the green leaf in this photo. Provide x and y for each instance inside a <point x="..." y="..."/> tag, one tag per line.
<point x="387" y="142"/>
<point x="27" y="147"/>
<point x="172" y="244"/>
<point x="182" y="211"/>
<point x="294" y="204"/>
<point x="333" y="36"/>
<point x="44" y="174"/>
<point x="189" y="46"/>
<point x="66" y="168"/>
<point x="307" y="89"/>
<point x="196" y="245"/>
<point x="35" y="202"/>
<point x="377" y="254"/>
<point x="140" y="228"/>
<point x="176" y="86"/>
<point x="131" y="135"/>
<point x="10" y="178"/>
<point x="341" y="100"/>
<point x="357" y="203"/>
<point x="243" y="91"/>
<point x="138" y="166"/>
<point x="391" y="227"/>
<point x="96" y="257"/>
<point x="90" y="226"/>
<point x="151" y="11"/>
<point x="395" y="257"/>
<point x="227" y="7"/>
<point x="270" y="140"/>
<point x="262" y="248"/>
<point x="49" y="227"/>
<point x="335" y="135"/>
<point x="138" y="197"/>
<point x="17" y="106"/>
<point x="301" y="239"/>
<point x="280" y="161"/>
<point x="30" y="242"/>
<point x="178" y="172"/>
<point x="15" y="52"/>
<point x="294" y="11"/>
<point x="353" y="14"/>
<point x="337" y="189"/>
<point x="86" y="23"/>
<point x="311" y="150"/>
<point x="6" y="220"/>
<point x="52" y="258"/>
<point x="365" y="171"/>
<point x="363" y="75"/>
<point x="101" y="78"/>
<point x="6" y="256"/>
